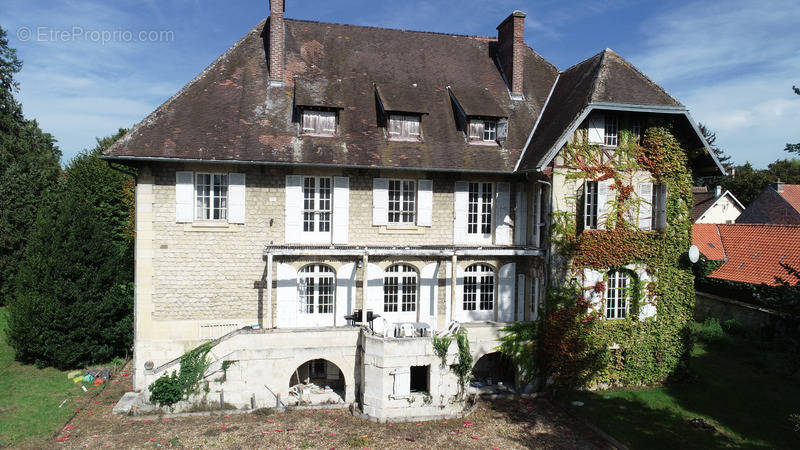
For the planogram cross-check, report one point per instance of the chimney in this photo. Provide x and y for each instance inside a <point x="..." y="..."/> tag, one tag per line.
<point x="511" y="51"/>
<point x="717" y="191"/>
<point x="276" y="31"/>
<point x="778" y="186"/>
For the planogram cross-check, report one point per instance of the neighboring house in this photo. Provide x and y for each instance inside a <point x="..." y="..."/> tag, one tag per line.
<point x="316" y="170"/>
<point x="752" y="253"/>
<point x="778" y="204"/>
<point x="716" y="206"/>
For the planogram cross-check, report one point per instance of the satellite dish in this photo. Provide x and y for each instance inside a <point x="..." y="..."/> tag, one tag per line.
<point x="694" y="254"/>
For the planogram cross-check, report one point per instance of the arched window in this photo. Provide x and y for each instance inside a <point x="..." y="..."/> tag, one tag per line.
<point x="400" y="289"/>
<point x="617" y="294"/>
<point x="316" y="284"/>
<point x="479" y="288"/>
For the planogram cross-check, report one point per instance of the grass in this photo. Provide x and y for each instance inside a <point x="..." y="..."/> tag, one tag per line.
<point x="744" y="386"/>
<point x="29" y="397"/>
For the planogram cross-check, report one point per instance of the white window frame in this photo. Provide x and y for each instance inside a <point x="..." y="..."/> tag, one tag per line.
<point x="317" y="212"/>
<point x="618" y="299"/>
<point x="216" y="208"/>
<point x="400" y="290"/>
<point x="611" y="134"/>
<point x="315" y="122"/>
<point x="479" y="287"/>
<point x="483" y="130"/>
<point x="402" y="206"/>
<point x="320" y="280"/>
<point x="480" y="210"/>
<point x="591" y="205"/>
<point x="404" y="127"/>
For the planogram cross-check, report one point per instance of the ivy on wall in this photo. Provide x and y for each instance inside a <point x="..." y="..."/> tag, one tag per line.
<point x="576" y="345"/>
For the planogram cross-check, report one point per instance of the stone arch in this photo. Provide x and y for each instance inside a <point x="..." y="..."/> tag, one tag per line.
<point x="320" y="372"/>
<point x="493" y="366"/>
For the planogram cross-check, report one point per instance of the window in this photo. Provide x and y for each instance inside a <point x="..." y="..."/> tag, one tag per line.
<point x="212" y="196"/>
<point x="316" y="285"/>
<point x="402" y="201"/>
<point x="479" y="211"/>
<point x="318" y="122"/>
<point x="590" y="205"/>
<point x="617" y="294"/>
<point x="419" y="378"/>
<point x="400" y="289"/>
<point x="612" y="130"/>
<point x="404" y="127"/>
<point x="636" y="130"/>
<point x="539" y="214"/>
<point x="479" y="288"/>
<point x="482" y="130"/>
<point x="317" y="205"/>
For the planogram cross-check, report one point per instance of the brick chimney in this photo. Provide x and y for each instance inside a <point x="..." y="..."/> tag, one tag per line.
<point x="276" y="39"/>
<point x="511" y="51"/>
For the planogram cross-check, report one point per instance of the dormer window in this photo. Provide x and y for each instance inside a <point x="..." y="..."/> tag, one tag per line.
<point x="636" y="130"/>
<point x="403" y="127"/>
<point x="319" y="122"/>
<point x="482" y="130"/>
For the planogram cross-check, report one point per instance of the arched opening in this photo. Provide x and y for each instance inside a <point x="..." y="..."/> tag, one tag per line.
<point x="316" y="284"/>
<point x="317" y="382"/>
<point x="494" y="372"/>
<point x="400" y="288"/>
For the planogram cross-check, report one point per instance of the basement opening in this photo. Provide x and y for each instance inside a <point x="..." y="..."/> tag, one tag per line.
<point x="316" y="382"/>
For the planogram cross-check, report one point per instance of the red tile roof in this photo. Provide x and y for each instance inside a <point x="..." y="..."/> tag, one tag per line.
<point x="706" y="237"/>
<point x="791" y="193"/>
<point x="755" y="252"/>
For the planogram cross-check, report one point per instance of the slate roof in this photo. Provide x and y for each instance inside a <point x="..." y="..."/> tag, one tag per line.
<point x="604" y="78"/>
<point x="755" y="252"/>
<point x="708" y="240"/>
<point x="230" y="113"/>
<point x="772" y="207"/>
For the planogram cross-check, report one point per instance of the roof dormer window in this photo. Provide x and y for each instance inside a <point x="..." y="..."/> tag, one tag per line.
<point x="319" y="122"/>
<point x="404" y="127"/>
<point x="611" y="136"/>
<point x="483" y="130"/>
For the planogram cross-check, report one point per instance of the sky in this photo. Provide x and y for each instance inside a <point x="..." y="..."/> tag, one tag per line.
<point x="93" y="66"/>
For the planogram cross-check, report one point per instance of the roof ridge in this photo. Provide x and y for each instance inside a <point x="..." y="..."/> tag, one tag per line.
<point x="394" y="29"/>
<point x="156" y="112"/>
<point x="596" y="75"/>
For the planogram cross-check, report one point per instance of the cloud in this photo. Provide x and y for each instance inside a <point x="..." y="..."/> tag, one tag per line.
<point x="733" y="64"/>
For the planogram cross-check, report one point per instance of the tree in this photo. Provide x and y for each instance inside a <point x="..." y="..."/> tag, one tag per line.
<point x="73" y="302"/>
<point x="29" y="168"/>
<point x="711" y="138"/>
<point x="794" y="148"/>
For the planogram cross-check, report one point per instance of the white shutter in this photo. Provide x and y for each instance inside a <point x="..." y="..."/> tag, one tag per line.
<point x="425" y="203"/>
<point x="521" y="297"/>
<point x="505" y="292"/>
<point x="380" y="201"/>
<point x="661" y="213"/>
<point x="502" y="130"/>
<point x="184" y="196"/>
<point x="395" y="125"/>
<point x="536" y="216"/>
<point x="521" y="216"/>
<point x="294" y="208"/>
<point x="476" y="130"/>
<point x="327" y="122"/>
<point x="428" y="294"/>
<point x="374" y="294"/>
<point x="604" y="195"/>
<point x="236" y="197"/>
<point x="460" y="205"/>
<point x="402" y="382"/>
<point x="345" y="292"/>
<point x="535" y="299"/>
<point x="287" y="299"/>
<point x="597" y="129"/>
<point x="645" y="205"/>
<point x="341" y="209"/>
<point x="502" y="229"/>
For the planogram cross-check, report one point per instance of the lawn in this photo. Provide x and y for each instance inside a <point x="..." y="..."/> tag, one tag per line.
<point x="744" y="386"/>
<point x="30" y="397"/>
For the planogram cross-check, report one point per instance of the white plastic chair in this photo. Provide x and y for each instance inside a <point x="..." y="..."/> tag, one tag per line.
<point x="451" y="329"/>
<point x="407" y="330"/>
<point x="382" y="327"/>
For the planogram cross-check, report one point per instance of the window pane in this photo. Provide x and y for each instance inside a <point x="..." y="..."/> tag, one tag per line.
<point x="611" y="130"/>
<point x="486" y="209"/>
<point x="472" y="211"/>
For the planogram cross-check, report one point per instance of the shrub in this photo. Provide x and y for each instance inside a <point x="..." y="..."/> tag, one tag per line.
<point x="441" y="345"/>
<point x="710" y="331"/>
<point x="166" y="390"/>
<point x="733" y="327"/>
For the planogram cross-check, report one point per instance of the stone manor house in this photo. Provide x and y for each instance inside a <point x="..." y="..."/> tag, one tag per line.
<point x="317" y="175"/>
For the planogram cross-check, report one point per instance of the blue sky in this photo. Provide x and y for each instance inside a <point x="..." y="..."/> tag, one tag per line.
<point x="731" y="62"/>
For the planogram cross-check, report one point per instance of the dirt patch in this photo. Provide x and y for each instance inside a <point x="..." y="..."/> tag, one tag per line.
<point x="497" y="424"/>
